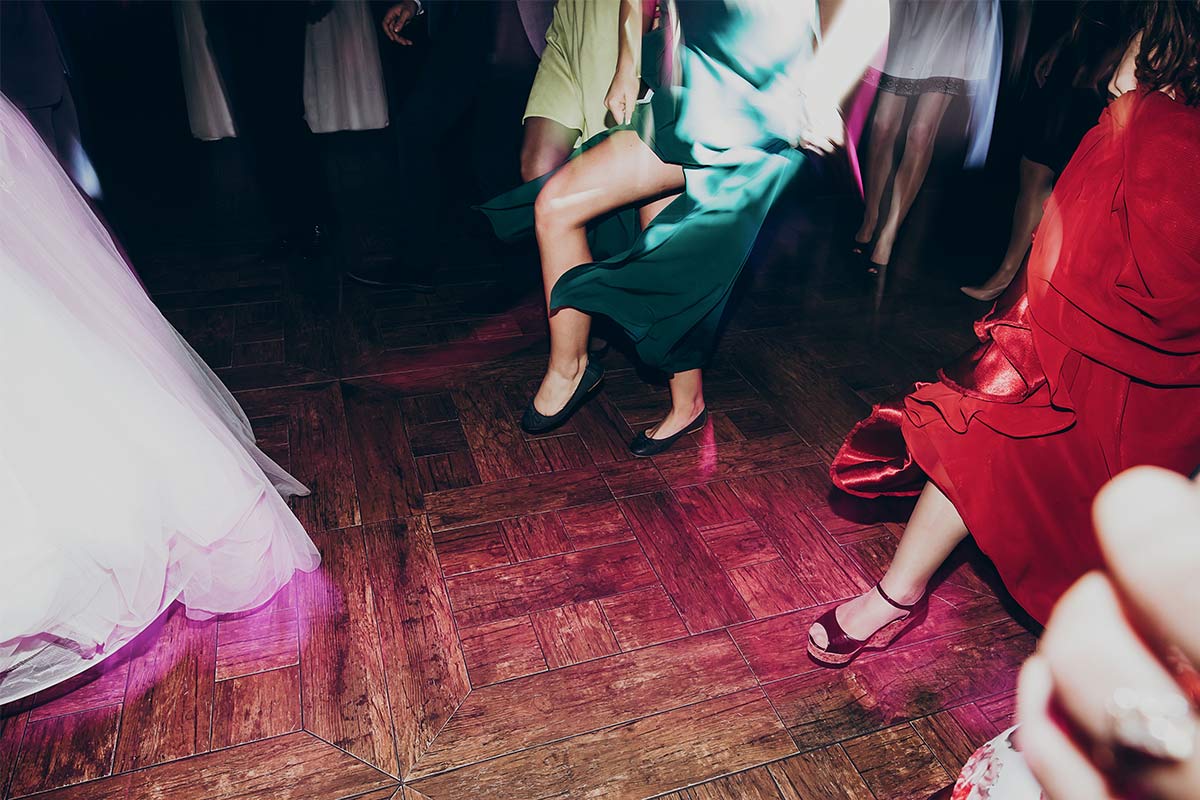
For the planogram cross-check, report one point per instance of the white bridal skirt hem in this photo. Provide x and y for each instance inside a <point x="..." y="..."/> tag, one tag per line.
<point x="128" y="473"/>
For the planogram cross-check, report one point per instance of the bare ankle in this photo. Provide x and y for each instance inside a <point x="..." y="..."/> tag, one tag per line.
<point x="904" y="593"/>
<point x="688" y="410"/>
<point x="568" y="368"/>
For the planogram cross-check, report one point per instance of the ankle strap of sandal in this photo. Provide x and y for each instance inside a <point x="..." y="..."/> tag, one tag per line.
<point x="893" y="603"/>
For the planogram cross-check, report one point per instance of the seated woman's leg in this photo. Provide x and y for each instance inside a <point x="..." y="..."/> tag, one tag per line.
<point x="933" y="531"/>
<point x="618" y="172"/>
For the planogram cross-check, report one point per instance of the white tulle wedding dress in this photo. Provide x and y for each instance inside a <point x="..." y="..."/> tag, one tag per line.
<point x="129" y="477"/>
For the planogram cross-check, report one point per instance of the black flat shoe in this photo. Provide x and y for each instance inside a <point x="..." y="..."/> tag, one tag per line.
<point x="535" y="421"/>
<point x="643" y="446"/>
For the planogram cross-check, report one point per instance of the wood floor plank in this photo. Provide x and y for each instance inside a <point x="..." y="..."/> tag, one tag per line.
<point x="1000" y="709"/>
<point x="446" y="471"/>
<point x="426" y="671"/>
<point x="776" y="647"/>
<point x="769" y="588"/>
<point x="643" y="617"/>
<point x="497" y="651"/>
<point x="575" y="633"/>
<point x="603" y="431"/>
<point x="878" y="691"/>
<point x="896" y="763"/>
<point x="320" y="450"/>
<point x="385" y="471"/>
<point x="535" y="536"/>
<point x="740" y="544"/>
<point x="475" y="505"/>
<point x="753" y="784"/>
<point x="102" y="685"/>
<point x="595" y="524"/>
<point x="532" y="586"/>
<point x="12" y="731"/>
<point x="495" y="440"/>
<point x="629" y="478"/>
<point x="427" y="409"/>
<point x="263" y="639"/>
<point x="816" y="404"/>
<point x="169" y="700"/>
<point x="948" y="740"/>
<point x="436" y="438"/>
<point x="297" y="766"/>
<point x="66" y="749"/>
<point x="469" y="549"/>
<point x="689" y="571"/>
<point x="559" y="453"/>
<point x="777" y="503"/>
<point x="633" y="760"/>
<point x="256" y="706"/>
<point x="586" y="697"/>
<point x="821" y="567"/>
<point x="735" y="459"/>
<point x="827" y="774"/>
<point x="710" y="505"/>
<point x="343" y="688"/>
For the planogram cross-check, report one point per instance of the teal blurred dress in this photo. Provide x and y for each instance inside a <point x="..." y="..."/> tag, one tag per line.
<point x="725" y="118"/>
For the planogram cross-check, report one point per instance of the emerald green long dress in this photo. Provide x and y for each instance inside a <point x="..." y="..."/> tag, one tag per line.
<point x="724" y="97"/>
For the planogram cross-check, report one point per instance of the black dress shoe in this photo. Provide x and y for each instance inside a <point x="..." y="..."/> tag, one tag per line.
<point x="643" y="446"/>
<point x="391" y="276"/>
<point x="535" y="421"/>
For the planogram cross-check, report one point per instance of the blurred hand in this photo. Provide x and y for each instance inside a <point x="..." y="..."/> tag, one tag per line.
<point x="1130" y="633"/>
<point x="623" y="95"/>
<point x="397" y="18"/>
<point x="820" y="128"/>
<point x="1044" y="65"/>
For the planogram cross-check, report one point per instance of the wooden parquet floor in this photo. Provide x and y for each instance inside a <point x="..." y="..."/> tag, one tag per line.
<point x="505" y="616"/>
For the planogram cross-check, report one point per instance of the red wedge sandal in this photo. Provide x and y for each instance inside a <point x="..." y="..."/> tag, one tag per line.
<point x="842" y="648"/>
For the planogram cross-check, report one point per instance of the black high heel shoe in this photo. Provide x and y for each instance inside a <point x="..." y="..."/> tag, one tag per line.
<point x="534" y="421"/>
<point x="643" y="446"/>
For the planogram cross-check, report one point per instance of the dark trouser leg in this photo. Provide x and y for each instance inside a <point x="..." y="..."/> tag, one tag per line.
<point x="260" y="49"/>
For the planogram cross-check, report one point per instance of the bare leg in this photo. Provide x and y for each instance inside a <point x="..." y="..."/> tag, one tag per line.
<point x="933" y="531"/>
<point x="918" y="151"/>
<point x="1037" y="181"/>
<point x="619" y="171"/>
<point x="546" y="146"/>
<point x="881" y="158"/>
<point x="687" y="388"/>
<point x="687" y="401"/>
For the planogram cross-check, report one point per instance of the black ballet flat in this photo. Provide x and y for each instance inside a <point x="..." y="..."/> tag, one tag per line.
<point x="534" y="421"/>
<point x="599" y="352"/>
<point x="643" y="446"/>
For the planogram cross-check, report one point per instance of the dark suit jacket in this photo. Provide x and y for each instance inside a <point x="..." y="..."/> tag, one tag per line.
<point x="33" y="72"/>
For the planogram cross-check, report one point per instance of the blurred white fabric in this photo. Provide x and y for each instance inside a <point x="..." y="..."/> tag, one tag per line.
<point x="207" y="102"/>
<point x="129" y="476"/>
<point x="343" y="76"/>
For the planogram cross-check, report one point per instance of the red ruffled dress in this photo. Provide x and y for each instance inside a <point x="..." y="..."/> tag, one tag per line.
<point x="1089" y="368"/>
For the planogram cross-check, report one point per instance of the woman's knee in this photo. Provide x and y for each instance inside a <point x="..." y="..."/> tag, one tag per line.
<point x="885" y="127"/>
<point x="550" y="210"/>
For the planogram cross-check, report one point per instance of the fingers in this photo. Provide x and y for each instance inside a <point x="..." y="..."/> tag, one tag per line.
<point x="621" y="107"/>
<point x="1148" y="522"/>
<point x="395" y="21"/>
<point x="1062" y="769"/>
<point x="1091" y="652"/>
